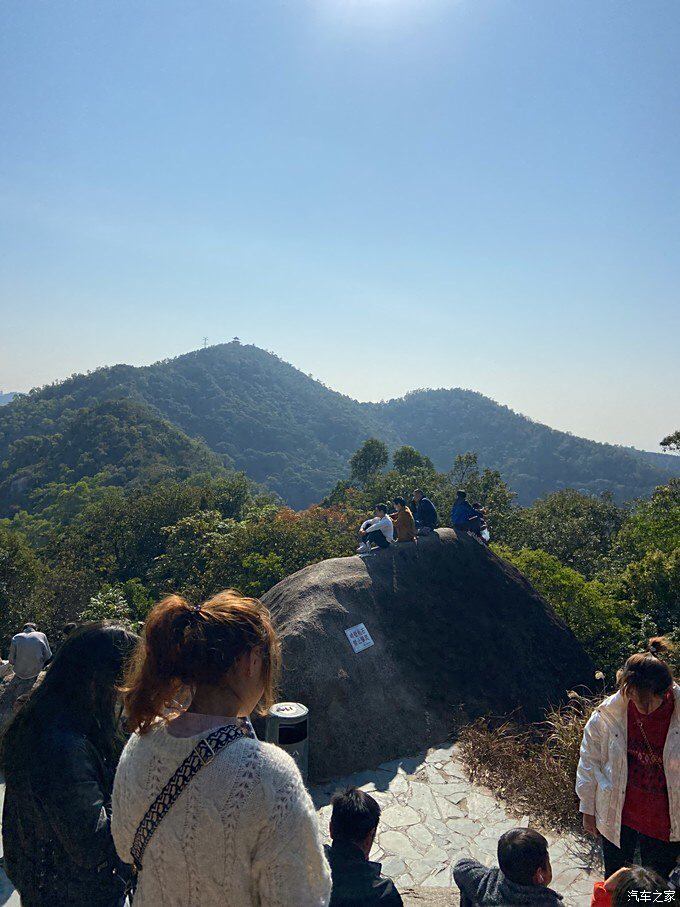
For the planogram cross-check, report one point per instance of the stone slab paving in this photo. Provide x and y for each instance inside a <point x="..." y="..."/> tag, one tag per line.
<point x="432" y="816"/>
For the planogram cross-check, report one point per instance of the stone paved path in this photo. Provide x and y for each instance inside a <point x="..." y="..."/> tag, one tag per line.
<point x="432" y="816"/>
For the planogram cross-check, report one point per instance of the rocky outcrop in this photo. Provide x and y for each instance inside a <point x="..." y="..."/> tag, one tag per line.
<point x="455" y="630"/>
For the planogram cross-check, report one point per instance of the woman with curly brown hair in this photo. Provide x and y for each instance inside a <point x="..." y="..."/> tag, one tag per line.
<point x="209" y="814"/>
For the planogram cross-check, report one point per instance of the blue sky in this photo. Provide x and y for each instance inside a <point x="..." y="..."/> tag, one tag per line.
<point x="389" y="194"/>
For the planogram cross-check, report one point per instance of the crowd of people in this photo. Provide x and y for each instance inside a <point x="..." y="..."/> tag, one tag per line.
<point x="397" y="522"/>
<point x="132" y="771"/>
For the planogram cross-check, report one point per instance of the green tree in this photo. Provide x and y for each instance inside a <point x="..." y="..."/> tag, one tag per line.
<point x="654" y="525"/>
<point x="407" y="459"/>
<point x="652" y="584"/>
<point x="672" y="441"/>
<point x="371" y="457"/>
<point x="578" y="529"/>
<point x="20" y="573"/>
<point x="189" y="544"/>
<point x="465" y="467"/>
<point x="601" y="624"/>
<point x="108" y="604"/>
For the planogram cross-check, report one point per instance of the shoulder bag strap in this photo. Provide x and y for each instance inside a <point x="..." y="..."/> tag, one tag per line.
<point x="203" y="753"/>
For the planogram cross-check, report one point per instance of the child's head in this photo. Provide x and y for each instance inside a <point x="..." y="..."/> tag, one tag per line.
<point x="523" y="857"/>
<point x="637" y="879"/>
<point x="355" y="818"/>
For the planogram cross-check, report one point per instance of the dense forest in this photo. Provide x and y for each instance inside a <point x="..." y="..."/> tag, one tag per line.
<point x="99" y="550"/>
<point x="119" y="442"/>
<point x="240" y="407"/>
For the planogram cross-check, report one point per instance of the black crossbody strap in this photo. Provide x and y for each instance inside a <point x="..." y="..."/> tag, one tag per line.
<point x="203" y="753"/>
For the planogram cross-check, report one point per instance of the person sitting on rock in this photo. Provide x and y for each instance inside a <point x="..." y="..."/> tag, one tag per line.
<point x="480" y="510"/>
<point x="424" y="513"/>
<point x="377" y="531"/>
<point x="357" y="880"/>
<point x="404" y="524"/>
<point x="522" y="877"/>
<point x="464" y="516"/>
<point x="29" y="654"/>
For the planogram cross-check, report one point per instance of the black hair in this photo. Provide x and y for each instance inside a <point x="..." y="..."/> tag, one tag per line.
<point x="382" y="507"/>
<point x="418" y="491"/>
<point x="82" y="679"/>
<point x="521" y="852"/>
<point x="637" y="879"/>
<point x="68" y="628"/>
<point x="355" y="815"/>
<point x="400" y="500"/>
<point x="461" y="493"/>
<point x="31" y="628"/>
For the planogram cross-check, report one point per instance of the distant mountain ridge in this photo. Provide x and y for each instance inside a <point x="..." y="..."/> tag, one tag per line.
<point x="7" y="398"/>
<point x="247" y="409"/>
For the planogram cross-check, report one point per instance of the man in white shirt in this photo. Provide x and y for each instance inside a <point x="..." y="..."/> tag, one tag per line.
<point x="379" y="531"/>
<point x="29" y="652"/>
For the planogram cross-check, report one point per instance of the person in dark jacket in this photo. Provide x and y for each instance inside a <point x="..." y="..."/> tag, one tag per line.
<point x="522" y="877"/>
<point x="464" y="516"/>
<point x="424" y="513"/>
<point x="357" y="880"/>
<point x="59" y="757"/>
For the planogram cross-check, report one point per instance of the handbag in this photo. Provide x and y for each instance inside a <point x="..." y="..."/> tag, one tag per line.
<point x="202" y="754"/>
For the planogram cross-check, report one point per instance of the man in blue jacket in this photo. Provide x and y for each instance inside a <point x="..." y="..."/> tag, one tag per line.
<point x="464" y="516"/>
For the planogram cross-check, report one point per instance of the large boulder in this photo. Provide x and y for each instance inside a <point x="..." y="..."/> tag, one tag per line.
<point x="455" y="630"/>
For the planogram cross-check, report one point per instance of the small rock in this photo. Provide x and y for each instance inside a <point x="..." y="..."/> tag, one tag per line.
<point x="441" y="754"/>
<point x="419" y="834"/>
<point x="449" y="810"/>
<point x="395" y="842"/>
<point x="440" y="878"/>
<point x="393" y="866"/>
<point x="464" y="827"/>
<point x="399" y="817"/>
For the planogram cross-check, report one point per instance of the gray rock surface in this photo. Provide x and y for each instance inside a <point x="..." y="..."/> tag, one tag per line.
<point x="454" y="628"/>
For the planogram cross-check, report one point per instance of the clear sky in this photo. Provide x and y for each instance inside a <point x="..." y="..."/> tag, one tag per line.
<point x="389" y="194"/>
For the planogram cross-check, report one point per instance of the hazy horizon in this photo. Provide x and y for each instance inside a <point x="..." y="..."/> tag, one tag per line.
<point x="390" y="194"/>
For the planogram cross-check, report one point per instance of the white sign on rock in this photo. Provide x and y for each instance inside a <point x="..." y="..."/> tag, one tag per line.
<point x="359" y="638"/>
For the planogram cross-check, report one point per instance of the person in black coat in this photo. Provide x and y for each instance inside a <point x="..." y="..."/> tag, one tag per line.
<point x="424" y="513"/>
<point x="357" y="880"/>
<point x="59" y="757"/>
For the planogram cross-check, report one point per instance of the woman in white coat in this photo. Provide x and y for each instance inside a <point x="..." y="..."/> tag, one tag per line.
<point x="628" y="779"/>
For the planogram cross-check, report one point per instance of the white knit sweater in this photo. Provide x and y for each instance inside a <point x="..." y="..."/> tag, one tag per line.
<point x="244" y="832"/>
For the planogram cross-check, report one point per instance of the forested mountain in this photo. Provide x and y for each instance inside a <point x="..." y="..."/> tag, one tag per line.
<point x="532" y="458"/>
<point x="6" y="398"/>
<point x="259" y="414"/>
